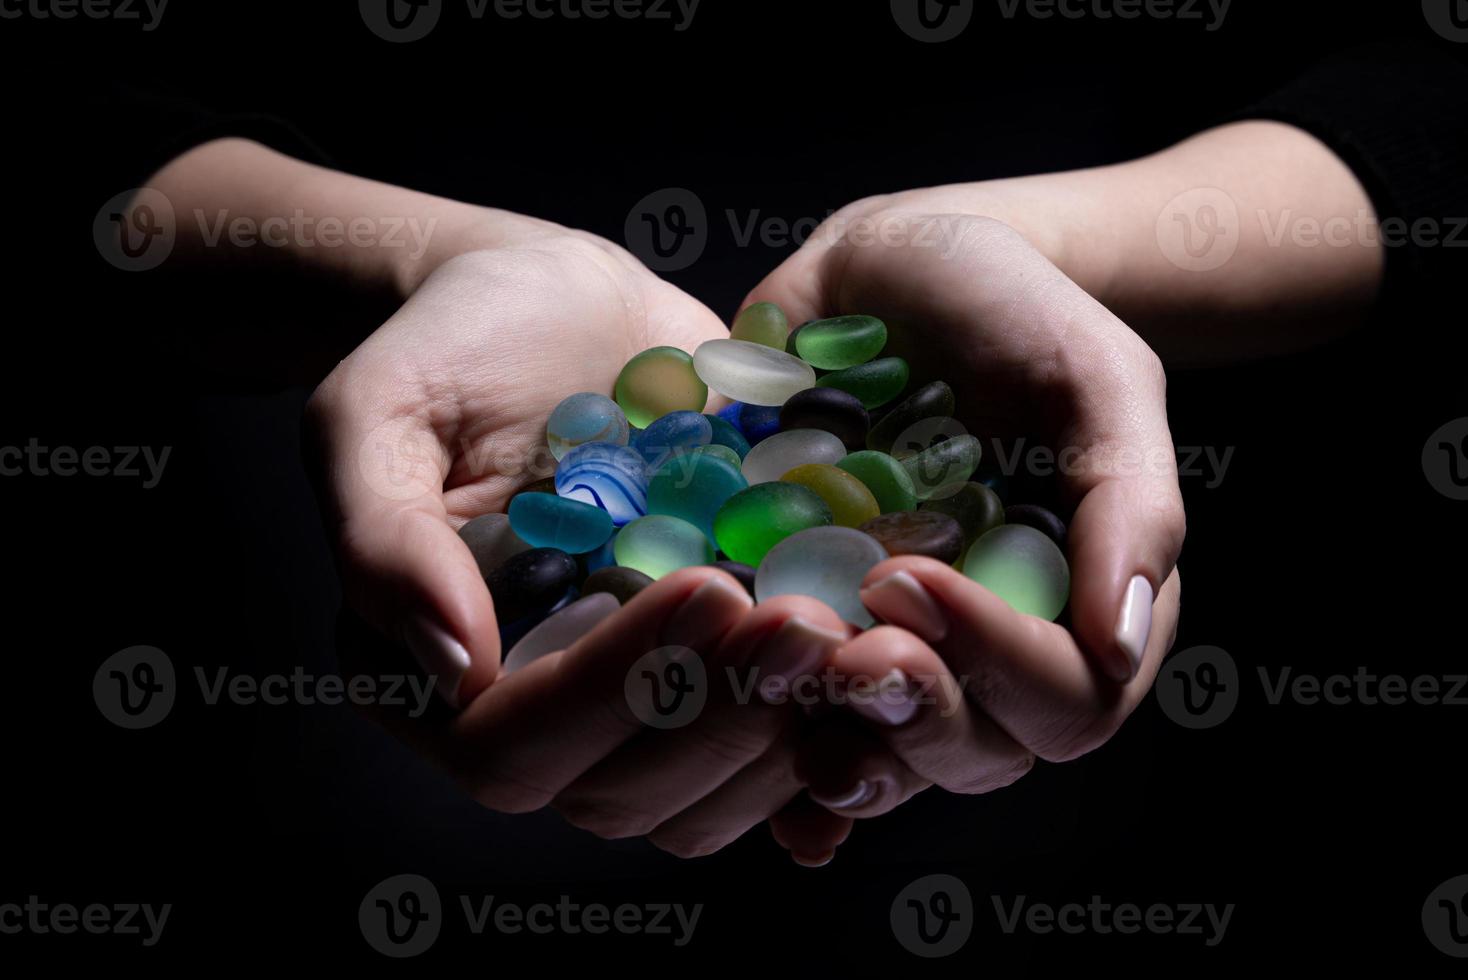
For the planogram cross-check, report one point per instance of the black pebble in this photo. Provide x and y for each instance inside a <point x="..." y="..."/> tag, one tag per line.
<point x="744" y="573"/>
<point x="830" y="409"/>
<point x="616" y="580"/>
<point x="1032" y="515"/>
<point x="931" y="401"/>
<point x="530" y="583"/>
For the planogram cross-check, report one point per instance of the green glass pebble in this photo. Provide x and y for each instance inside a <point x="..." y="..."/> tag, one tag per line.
<point x="657" y="545"/>
<point x="1023" y="567"/>
<point x="976" y="508"/>
<point x="928" y="402"/>
<point x="659" y="381"/>
<point x="548" y="521"/>
<point x="884" y="477"/>
<point x="726" y="434"/>
<point x="841" y="342"/>
<point x="851" y="503"/>
<point x="624" y="583"/>
<point x="944" y="469"/>
<point x="875" y="383"/>
<point x="692" y="487"/>
<point x="755" y="520"/>
<point x="720" y="452"/>
<point x="762" y="323"/>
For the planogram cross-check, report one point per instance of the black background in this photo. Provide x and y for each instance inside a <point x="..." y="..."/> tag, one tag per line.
<point x="1323" y="549"/>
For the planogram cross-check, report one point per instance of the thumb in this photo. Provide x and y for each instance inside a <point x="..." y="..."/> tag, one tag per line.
<point x="403" y="567"/>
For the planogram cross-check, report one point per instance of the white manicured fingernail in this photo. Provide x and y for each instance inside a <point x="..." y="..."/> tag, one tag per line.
<point x="890" y="702"/>
<point x="861" y="794"/>
<point x="441" y="656"/>
<point x="1134" y="624"/>
<point x="900" y="599"/>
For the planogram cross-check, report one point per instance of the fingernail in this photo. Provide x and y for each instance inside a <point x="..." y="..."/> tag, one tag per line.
<point x="901" y="600"/>
<point x="441" y="656"/>
<point x="795" y="650"/>
<point x="860" y="795"/>
<point x="891" y="702"/>
<point x="701" y="618"/>
<point x="819" y="861"/>
<point x="1133" y="626"/>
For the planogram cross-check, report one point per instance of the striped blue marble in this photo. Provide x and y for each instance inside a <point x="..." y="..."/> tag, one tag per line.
<point x="613" y="478"/>
<point x="672" y="433"/>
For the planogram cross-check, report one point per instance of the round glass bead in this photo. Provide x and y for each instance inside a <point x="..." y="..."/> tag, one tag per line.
<point x="692" y="487"/>
<point x="781" y="453"/>
<point x="658" y="544"/>
<point x="671" y="433"/>
<point x="762" y="323"/>
<point x="851" y="503"/>
<point x="841" y="342"/>
<point x="827" y="563"/>
<point x="751" y="373"/>
<point x="659" y="381"/>
<point x="755" y="520"/>
<point x="944" y="469"/>
<point x="582" y="418"/>
<point x="829" y="409"/>
<point x="1023" y="567"/>
<point x="884" y="477"/>
<point x="613" y="478"/>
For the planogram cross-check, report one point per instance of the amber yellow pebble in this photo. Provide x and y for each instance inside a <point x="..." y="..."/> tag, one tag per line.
<point x="851" y="503"/>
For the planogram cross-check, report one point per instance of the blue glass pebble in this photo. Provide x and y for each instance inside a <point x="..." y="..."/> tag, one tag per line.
<point x="545" y="520"/>
<point x="759" y="422"/>
<point x="603" y="557"/>
<point x="583" y="418"/>
<point x="726" y="433"/>
<point x="673" y="432"/>
<point x="613" y="478"/>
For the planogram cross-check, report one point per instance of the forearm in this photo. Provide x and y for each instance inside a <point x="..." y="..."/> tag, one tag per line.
<point x="237" y="202"/>
<point x="1246" y="241"/>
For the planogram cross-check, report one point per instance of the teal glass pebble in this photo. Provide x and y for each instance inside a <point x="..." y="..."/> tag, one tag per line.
<point x="658" y="545"/>
<point x="841" y="342"/>
<point x="582" y="418"/>
<point x="1023" y="567"/>
<point x="547" y="521"/>
<point x="692" y="487"/>
<point x="725" y="433"/>
<point x="944" y="468"/>
<point x="875" y="383"/>
<point x="827" y="563"/>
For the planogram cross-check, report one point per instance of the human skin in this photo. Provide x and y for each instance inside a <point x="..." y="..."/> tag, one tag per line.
<point x="1054" y="288"/>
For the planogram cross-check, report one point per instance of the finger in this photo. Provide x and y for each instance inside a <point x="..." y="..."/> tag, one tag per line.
<point x="851" y="772"/>
<point x="536" y="730"/>
<point x="380" y="471"/>
<point x="803" y="284"/>
<point x="657" y="774"/>
<point x="1026" y="674"/>
<point x="810" y="832"/>
<point x="899" y="683"/>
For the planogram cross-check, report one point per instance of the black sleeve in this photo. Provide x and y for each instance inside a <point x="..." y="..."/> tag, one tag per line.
<point x="1397" y="115"/>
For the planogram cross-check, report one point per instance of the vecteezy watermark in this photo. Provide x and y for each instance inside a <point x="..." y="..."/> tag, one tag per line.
<point x="38" y="918"/>
<point x="670" y="229"/>
<point x="1445" y="460"/>
<point x="1201" y="229"/>
<point x="146" y="13"/>
<point x="1200" y="688"/>
<point x="933" y="916"/>
<point x="1448" y="17"/>
<point x="137" y="230"/>
<point x="404" y="21"/>
<point x="143" y="463"/>
<point x="1445" y="917"/>
<point x="936" y="21"/>
<point x="1097" y="917"/>
<point x="136" y="688"/>
<point x="403" y="916"/>
<point x="667" y="688"/>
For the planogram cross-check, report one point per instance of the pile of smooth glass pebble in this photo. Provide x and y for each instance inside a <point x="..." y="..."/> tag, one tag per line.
<point x="791" y="489"/>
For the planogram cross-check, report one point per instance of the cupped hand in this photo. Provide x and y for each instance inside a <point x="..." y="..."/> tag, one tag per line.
<point x="1028" y="353"/>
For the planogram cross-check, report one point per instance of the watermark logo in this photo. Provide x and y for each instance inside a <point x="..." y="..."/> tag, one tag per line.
<point x="933" y="21"/>
<point x="38" y="918"/>
<point x="1198" y="231"/>
<point x="1098" y="917"/>
<point x="937" y="475"/>
<point x="1445" y="460"/>
<point x="135" y="231"/>
<point x="667" y="688"/>
<point x="401" y="916"/>
<point x="668" y="229"/>
<point x="401" y="21"/>
<point x="1445" y="917"/>
<point x="135" y="688"/>
<point x="933" y="917"/>
<point x="1199" y="687"/>
<point x="1449" y="18"/>
<point x="147" y="13"/>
